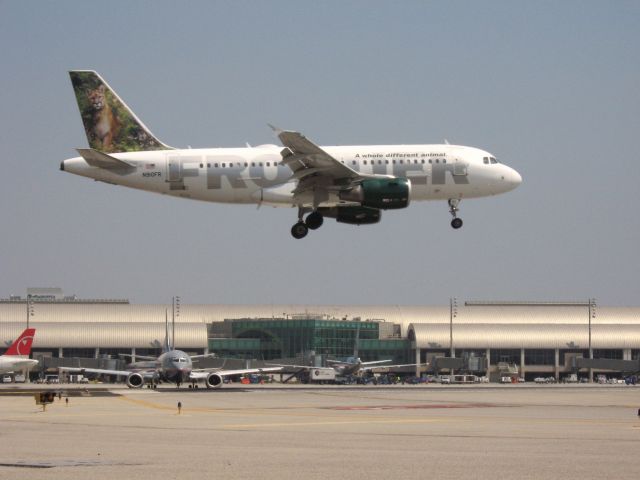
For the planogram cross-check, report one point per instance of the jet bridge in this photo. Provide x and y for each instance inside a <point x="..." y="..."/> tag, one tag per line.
<point x="627" y="366"/>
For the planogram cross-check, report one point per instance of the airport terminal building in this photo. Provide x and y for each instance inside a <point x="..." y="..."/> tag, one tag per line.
<point x="527" y="339"/>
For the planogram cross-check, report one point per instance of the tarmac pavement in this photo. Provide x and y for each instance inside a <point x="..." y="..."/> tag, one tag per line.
<point x="361" y="432"/>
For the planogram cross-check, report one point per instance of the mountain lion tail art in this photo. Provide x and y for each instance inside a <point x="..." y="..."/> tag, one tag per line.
<point x="109" y="123"/>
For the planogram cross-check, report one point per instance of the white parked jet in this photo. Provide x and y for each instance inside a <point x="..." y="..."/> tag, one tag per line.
<point x="172" y="366"/>
<point x="16" y="358"/>
<point x="349" y="183"/>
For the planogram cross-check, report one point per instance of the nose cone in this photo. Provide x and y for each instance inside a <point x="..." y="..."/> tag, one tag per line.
<point x="514" y="178"/>
<point x="510" y="178"/>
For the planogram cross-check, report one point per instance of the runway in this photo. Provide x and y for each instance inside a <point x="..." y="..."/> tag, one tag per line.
<point x="318" y="432"/>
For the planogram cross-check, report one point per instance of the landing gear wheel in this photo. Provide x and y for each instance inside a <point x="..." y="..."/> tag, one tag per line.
<point x="453" y="210"/>
<point x="299" y="230"/>
<point x="314" y="220"/>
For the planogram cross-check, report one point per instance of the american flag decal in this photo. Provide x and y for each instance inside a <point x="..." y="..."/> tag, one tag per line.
<point x="150" y="166"/>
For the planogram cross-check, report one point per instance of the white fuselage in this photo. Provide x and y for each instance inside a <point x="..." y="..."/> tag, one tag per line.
<point x="255" y="175"/>
<point x="11" y="363"/>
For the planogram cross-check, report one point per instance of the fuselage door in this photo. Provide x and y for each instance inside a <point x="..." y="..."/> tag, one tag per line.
<point x="174" y="168"/>
<point x="460" y="167"/>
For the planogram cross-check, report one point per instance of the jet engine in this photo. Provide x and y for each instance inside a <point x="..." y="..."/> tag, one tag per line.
<point x="213" y="380"/>
<point x="135" y="380"/>
<point x="352" y="215"/>
<point x="384" y="193"/>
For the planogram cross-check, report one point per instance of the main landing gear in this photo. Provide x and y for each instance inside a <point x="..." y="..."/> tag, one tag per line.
<point x="313" y="221"/>
<point x="453" y="209"/>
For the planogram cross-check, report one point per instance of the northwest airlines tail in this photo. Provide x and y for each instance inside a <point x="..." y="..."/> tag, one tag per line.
<point x="109" y="123"/>
<point x="22" y="346"/>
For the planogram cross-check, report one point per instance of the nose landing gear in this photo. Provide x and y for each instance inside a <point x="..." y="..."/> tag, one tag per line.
<point x="456" y="223"/>
<point x="313" y="221"/>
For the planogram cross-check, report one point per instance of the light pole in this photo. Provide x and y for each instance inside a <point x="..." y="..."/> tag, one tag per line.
<point x="453" y="313"/>
<point x="30" y="310"/>
<point x="175" y="313"/>
<point x="592" y="316"/>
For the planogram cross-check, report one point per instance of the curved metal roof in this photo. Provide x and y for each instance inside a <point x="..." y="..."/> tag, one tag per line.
<point x="118" y="325"/>
<point x="431" y="336"/>
<point x="400" y="314"/>
<point x="106" y="335"/>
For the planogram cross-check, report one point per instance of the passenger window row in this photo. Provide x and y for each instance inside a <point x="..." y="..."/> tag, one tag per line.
<point x="386" y="162"/>
<point x="246" y="164"/>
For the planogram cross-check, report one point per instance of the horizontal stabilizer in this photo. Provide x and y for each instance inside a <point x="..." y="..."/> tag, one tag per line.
<point x="102" y="160"/>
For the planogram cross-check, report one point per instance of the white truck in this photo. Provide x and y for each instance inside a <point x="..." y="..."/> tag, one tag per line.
<point x="322" y="374"/>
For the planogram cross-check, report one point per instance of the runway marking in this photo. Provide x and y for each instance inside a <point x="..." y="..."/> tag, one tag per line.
<point x="336" y="422"/>
<point x="414" y="407"/>
<point x="279" y="412"/>
<point x="147" y="403"/>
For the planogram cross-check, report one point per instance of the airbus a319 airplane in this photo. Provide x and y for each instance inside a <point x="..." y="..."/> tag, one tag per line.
<point x="352" y="184"/>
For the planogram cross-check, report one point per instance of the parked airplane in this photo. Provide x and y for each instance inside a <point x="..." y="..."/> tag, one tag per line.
<point x="355" y="366"/>
<point x="349" y="183"/>
<point x="349" y="366"/>
<point x="352" y="365"/>
<point x="16" y="358"/>
<point x="172" y="366"/>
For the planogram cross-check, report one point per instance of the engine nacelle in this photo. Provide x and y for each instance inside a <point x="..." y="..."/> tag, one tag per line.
<point x="135" y="380"/>
<point x="213" y="380"/>
<point x="352" y="215"/>
<point x="384" y="193"/>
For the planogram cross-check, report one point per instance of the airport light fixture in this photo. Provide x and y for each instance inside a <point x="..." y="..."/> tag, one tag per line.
<point x="175" y="312"/>
<point x="30" y="309"/>
<point x="453" y="313"/>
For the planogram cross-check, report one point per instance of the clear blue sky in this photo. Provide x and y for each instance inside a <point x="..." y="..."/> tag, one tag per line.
<point x="551" y="88"/>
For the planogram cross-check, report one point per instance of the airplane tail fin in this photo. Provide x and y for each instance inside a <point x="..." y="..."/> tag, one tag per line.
<point x="109" y="123"/>
<point x="22" y="346"/>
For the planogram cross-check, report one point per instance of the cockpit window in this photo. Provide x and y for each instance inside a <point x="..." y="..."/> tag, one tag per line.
<point x="493" y="160"/>
<point x="485" y="160"/>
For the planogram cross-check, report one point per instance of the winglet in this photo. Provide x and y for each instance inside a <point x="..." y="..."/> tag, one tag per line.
<point x="276" y="130"/>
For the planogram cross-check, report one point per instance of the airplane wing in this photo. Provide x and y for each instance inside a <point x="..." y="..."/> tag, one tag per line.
<point x="340" y="362"/>
<point x="285" y="365"/>
<point x="208" y="355"/>
<point x="374" y="367"/>
<point x="138" y="357"/>
<point x="305" y="158"/>
<point x="313" y="167"/>
<point x="202" y="374"/>
<point x="125" y="373"/>
<point x="377" y="362"/>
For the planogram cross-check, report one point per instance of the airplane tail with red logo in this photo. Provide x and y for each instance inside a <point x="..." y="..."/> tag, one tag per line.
<point x="22" y="346"/>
